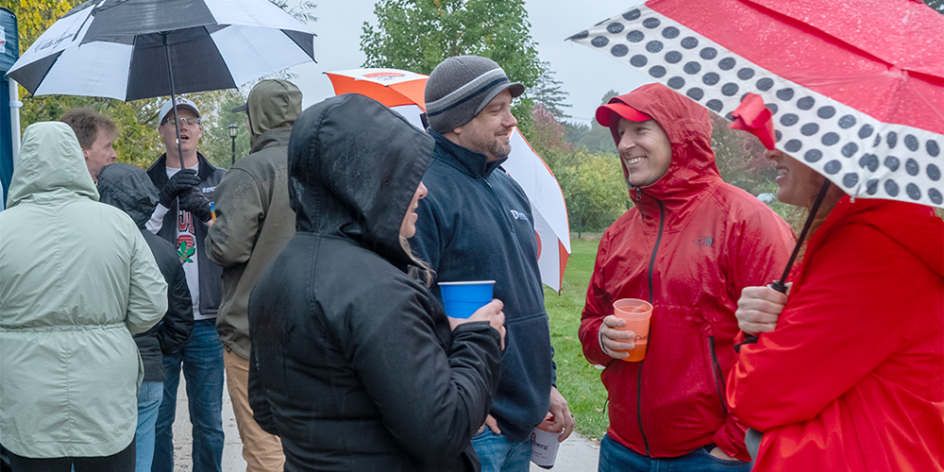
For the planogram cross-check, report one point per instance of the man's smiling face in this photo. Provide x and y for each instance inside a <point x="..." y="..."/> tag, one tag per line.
<point x="645" y="150"/>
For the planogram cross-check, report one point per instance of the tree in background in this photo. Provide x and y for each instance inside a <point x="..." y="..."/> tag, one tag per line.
<point x="548" y="93"/>
<point x="216" y="143"/>
<point x="416" y="35"/>
<point x="592" y="138"/>
<point x="739" y="156"/>
<point x="592" y="182"/>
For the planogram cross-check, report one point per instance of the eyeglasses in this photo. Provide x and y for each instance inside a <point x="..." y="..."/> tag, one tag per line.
<point x="183" y="121"/>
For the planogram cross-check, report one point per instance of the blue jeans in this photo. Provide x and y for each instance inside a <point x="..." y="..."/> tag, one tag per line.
<point x="498" y="454"/>
<point x="149" y="401"/>
<point x="616" y="458"/>
<point x="202" y="360"/>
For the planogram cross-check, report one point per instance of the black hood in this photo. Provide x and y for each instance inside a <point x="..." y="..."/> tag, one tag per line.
<point x="353" y="167"/>
<point x="129" y="189"/>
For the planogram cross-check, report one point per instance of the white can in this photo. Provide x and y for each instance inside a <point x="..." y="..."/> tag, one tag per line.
<point x="544" y="445"/>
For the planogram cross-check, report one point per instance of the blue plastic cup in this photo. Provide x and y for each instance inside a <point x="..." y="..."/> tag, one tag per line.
<point x="463" y="299"/>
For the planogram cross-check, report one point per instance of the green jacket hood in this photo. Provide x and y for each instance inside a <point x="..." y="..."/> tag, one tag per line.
<point x="50" y="166"/>
<point x="272" y="104"/>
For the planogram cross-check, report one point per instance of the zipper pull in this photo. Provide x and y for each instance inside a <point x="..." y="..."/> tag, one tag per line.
<point x="642" y="208"/>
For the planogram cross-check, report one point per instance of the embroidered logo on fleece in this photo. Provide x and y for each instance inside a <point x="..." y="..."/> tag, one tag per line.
<point x="519" y="215"/>
<point x="704" y="241"/>
<point x="184" y="252"/>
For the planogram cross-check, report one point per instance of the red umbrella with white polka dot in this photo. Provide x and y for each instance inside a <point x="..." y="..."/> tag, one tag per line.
<point x="855" y="89"/>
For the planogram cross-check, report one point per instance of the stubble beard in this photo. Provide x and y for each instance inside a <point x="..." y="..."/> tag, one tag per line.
<point x="498" y="150"/>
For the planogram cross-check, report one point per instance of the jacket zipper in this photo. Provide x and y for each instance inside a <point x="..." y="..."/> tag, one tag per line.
<point x="719" y="377"/>
<point x="652" y="263"/>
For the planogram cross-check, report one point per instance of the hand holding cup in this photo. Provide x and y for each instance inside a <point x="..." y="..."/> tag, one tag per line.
<point x="615" y="340"/>
<point x="492" y="313"/>
<point x="631" y="316"/>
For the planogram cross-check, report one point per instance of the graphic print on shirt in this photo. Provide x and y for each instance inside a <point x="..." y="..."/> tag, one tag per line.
<point x="185" y="239"/>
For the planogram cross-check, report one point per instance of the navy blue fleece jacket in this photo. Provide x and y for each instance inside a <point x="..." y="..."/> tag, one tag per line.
<point x="476" y="224"/>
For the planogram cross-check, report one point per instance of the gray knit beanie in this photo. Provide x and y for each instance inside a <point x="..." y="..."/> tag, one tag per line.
<point x="460" y="87"/>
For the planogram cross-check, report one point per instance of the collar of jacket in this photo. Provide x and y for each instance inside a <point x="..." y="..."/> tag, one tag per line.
<point x="205" y="172"/>
<point x="471" y="162"/>
<point x="913" y="226"/>
<point x="678" y="191"/>
<point x="272" y="137"/>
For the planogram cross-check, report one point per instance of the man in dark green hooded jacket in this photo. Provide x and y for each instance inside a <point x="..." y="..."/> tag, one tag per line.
<point x="253" y="223"/>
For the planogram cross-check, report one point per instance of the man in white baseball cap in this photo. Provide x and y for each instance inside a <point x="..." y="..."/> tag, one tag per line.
<point x="182" y="217"/>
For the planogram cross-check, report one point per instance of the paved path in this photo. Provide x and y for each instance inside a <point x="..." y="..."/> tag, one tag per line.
<point x="576" y="453"/>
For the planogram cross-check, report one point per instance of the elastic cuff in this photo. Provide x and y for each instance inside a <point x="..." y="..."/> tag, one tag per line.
<point x="600" y="339"/>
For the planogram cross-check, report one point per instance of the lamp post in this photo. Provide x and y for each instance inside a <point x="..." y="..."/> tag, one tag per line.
<point x="233" y="131"/>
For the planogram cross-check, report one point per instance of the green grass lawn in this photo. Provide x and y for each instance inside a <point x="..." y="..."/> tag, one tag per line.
<point x="577" y="380"/>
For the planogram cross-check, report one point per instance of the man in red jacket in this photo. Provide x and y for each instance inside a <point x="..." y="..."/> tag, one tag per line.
<point x="688" y="246"/>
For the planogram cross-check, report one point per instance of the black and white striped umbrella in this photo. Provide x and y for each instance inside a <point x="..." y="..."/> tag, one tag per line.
<point x="116" y="48"/>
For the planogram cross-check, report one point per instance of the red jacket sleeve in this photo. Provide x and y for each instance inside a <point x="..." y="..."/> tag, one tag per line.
<point x="838" y="325"/>
<point x="597" y="307"/>
<point x="760" y="248"/>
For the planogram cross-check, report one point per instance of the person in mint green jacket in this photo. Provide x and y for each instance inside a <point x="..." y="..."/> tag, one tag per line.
<point x="77" y="280"/>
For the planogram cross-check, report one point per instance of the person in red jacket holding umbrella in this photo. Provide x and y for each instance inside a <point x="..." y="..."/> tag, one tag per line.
<point x="689" y="246"/>
<point x="848" y="371"/>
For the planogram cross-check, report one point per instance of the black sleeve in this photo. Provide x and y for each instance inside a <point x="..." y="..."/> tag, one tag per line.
<point x="258" y="401"/>
<point x="178" y="321"/>
<point x="432" y="400"/>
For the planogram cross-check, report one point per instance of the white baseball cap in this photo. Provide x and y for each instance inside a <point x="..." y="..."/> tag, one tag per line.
<point x="182" y="102"/>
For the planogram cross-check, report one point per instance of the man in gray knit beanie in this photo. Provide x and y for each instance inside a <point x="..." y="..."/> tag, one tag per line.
<point x="476" y="224"/>
<point x="460" y="87"/>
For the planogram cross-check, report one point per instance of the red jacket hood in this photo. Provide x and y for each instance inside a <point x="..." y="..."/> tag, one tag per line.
<point x="687" y="125"/>
<point x="899" y="221"/>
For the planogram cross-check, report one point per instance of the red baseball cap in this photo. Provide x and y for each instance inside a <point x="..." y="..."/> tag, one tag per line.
<point x="605" y="113"/>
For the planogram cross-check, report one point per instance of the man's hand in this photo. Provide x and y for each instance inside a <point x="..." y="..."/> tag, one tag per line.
<point x="616" y="343"/>
<point x="717" y="452"/>
<point x="558" y="419"/>
<point x="759" y="309"/>
<point x="196" y="203"/>
<point x="492" y="424"/>
<point x="181" y="182"/>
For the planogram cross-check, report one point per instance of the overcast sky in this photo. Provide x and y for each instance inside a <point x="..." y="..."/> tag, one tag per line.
<point x="586" y="74"/>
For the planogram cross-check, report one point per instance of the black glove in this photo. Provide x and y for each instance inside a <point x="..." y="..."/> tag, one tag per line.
<point x="196" y="203"/>
<point x="178" y="184"/>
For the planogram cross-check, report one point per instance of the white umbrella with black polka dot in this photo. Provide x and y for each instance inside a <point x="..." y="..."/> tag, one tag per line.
<point x="856" y="89"/>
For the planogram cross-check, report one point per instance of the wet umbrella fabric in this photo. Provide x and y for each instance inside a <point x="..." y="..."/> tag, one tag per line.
<point x="403" y="92"/>
<point x="134" y="49"/>
<point x="115" y="48"/>
<point x="856" y="90"/>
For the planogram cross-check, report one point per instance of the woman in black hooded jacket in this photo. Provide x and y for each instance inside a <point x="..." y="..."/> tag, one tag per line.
<point x="353" y="363"/>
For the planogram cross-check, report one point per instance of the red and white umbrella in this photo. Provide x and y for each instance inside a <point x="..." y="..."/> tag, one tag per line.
<point x="403" y="92"/>
<point x="856" y="89"/>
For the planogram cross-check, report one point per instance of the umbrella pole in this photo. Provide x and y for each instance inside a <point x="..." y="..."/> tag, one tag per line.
<point x="779" y="285"/>
<point x="173" y="98"/>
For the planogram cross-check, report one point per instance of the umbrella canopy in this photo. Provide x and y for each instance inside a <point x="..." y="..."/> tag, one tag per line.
<point x="116" y="48"/>
<point x="391" y="87"/>
<point x="403" y="92"/>
<point x="856" y="90"/>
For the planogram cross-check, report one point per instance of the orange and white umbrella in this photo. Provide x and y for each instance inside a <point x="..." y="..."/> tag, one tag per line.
<point x="402" y="91"/>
